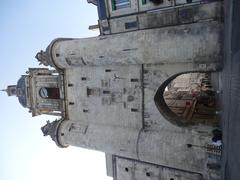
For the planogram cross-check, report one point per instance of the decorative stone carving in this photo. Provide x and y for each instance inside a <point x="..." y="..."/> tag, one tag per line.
<point x="43" y="58"/>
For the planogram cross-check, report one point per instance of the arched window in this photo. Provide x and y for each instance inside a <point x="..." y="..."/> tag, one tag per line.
<point x="188" y="99"/>
<point x="49" y="93"/>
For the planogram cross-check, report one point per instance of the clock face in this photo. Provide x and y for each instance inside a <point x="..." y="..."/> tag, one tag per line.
<point x="43" y="93"/>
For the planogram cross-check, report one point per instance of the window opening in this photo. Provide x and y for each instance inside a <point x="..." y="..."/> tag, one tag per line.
<point x="49" y="93"/>
<point x="120" y="4"/>
<point x="156" y="2"/>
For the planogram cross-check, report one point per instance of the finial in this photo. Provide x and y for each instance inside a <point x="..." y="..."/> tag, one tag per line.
<point x="45" y="129"/>
<point x="50" y="128"/>
<point x="43" y="58"/>
<point x="4" y="90"/>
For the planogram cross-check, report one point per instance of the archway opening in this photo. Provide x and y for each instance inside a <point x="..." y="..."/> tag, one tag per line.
<point x="49" y="93"/>
<point x="189" y="99"/>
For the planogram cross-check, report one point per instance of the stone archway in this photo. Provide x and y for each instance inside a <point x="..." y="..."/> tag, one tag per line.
<point x="187" y="99"/>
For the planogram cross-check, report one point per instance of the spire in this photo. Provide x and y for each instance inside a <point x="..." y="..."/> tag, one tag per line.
<point x="4" y="90"/>
<point x="11" y="90"/>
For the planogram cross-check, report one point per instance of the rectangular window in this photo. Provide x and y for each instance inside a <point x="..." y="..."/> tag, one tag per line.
<point x="144" y="2"/>
<point x="120" y="4"/>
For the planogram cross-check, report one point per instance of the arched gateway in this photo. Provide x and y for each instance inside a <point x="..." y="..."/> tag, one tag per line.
<point x="116" y="93"/>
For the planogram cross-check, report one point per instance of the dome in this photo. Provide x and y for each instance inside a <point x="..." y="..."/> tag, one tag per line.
<point x="21" y="91"/>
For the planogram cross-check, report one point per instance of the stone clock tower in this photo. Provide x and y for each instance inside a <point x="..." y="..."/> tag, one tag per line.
<point x="109" y="90"/>
<point x="40" y="91"/>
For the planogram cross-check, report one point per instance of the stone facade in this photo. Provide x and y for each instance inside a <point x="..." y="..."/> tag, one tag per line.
<point x="108" y="89"/>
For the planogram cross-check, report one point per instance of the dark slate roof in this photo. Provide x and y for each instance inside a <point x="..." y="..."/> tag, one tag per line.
<point x="21" y="91"/>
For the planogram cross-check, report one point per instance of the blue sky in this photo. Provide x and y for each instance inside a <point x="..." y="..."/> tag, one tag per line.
<point x="26" y="27"/>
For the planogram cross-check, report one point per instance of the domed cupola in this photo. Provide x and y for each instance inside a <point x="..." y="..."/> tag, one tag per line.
<point x="20" y="90"/>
